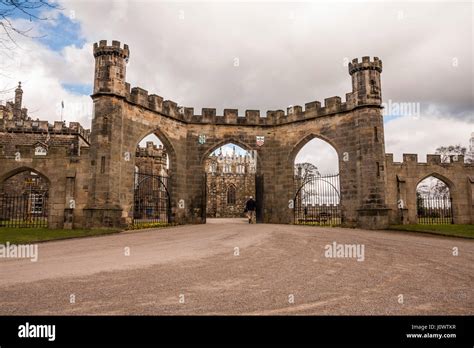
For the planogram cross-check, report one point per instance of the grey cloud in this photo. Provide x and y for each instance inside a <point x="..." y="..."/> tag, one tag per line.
<point x="288" y="53"/>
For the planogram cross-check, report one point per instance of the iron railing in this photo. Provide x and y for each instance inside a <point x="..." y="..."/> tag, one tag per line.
<point x="26" y="210"/>
<point x="435" y="210"/>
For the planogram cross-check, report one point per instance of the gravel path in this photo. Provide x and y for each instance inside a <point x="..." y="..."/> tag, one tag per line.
<point x="231" y="267"/>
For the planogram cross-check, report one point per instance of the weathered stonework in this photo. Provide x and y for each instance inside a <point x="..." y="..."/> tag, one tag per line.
<point x="97" y="170"/>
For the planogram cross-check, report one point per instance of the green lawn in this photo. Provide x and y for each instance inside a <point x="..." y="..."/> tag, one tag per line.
<point x="30" y="235"/>
<point x="466" y="231"/>
<point x="143" y="225"/>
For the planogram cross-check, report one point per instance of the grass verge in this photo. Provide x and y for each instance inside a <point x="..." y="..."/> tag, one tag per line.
<point x="144" y="225"/>
<point x="16" y="235"/>
<point x="464" y="231"/>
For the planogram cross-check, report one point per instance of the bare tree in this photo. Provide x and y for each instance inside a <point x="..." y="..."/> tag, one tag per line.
<point x="433" y="188"/>
<point x="24" y="8"/>
<point x="304" y="173"/>
<point x="447" y="152"/>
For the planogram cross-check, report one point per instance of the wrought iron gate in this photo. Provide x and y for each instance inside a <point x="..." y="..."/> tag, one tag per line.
<point x="317" y="200"/>
<point x="434" y="210"/>
<point x="259" y="197"/>
<point x="204" y="199"/>
<point x="27" y="210"/>
<point x="151" y="201"/>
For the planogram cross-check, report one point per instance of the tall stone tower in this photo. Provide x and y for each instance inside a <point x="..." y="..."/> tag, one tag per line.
<point x="366" y="99"/>
<point x="107" y="157"/>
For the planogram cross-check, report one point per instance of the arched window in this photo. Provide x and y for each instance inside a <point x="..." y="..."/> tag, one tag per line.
<point x="213" y="168"/>
<point x="231" y="194"/>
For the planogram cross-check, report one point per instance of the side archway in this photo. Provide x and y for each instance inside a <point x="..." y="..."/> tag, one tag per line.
<point x="151" y="184"/>
<point x="434" y="201"/>
<point x="24" y="198"/>
<point x="317" y="194"/>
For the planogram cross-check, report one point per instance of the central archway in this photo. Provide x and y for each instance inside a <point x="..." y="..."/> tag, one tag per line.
<point x="230" y="173"/>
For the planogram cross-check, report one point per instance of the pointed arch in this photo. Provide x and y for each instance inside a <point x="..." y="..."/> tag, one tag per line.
<point x="21" y="169"/>
<point x="170" y="150"/>
<point x="223" y="142"/>
<point x="438" y="176"/>
<point x="305" y="140"/>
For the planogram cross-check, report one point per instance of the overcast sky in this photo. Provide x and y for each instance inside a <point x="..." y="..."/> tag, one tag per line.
<point x="287" y="54"/>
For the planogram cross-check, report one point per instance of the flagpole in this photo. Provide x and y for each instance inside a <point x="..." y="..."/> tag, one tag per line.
<point x="62" y="108"/>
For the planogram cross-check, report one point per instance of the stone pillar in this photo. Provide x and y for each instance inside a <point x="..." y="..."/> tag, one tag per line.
<point x="104" y="208"/>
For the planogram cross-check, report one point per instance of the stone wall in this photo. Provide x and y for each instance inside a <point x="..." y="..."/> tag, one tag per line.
<point x="96" y="169"/>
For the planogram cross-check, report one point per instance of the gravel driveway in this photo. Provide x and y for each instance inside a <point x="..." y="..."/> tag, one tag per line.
<point x="231" y="267"/>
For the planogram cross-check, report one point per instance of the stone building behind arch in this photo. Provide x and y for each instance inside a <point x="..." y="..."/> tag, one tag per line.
<point x="230" y="181"/>
<point x="95" y="169"/>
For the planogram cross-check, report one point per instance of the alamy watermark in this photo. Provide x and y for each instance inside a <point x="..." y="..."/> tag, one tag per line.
<point x="22" y="251"/>
<point x="406" y="109"/>
<point x="37" y="331"/>
<point x="336" y="250"/>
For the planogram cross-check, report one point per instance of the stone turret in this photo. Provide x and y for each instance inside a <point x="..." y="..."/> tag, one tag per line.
<point x="17" y="114"/>
<point x="366" y="87"/>
<point x="110" y="68"/>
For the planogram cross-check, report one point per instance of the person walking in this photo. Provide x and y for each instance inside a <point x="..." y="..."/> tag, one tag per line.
<point x="250" y="207"/>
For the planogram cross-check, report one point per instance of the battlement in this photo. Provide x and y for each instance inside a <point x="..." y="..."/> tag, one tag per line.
<point x="231" y="158"/>
<point x="410" y="159"/>
<point x="110" y="79"/>
<point x="150" y="150"/>
<point x="102" y="48"/>
<point x="313" y="109"/>
<point x="37" y="126"/>
<point x="366" y="64"/>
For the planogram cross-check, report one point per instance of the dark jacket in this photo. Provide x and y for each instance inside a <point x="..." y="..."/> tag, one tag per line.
<point x="250" y="205"/>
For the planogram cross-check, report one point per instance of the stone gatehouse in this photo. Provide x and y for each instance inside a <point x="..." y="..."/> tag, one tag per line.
<point x="90" y="174"/>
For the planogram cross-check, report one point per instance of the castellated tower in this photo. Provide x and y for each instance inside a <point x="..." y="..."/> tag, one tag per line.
<point x="366" y="88"/>
<point x="110" y="67"/>
<point x="18" y="101"/>
<point x="368" y="132"/>
<point x="107" y="157"/>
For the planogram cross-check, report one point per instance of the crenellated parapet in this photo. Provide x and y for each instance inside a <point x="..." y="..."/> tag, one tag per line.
<point x="365" y="64"/>
<point x="101" y="48"/>
<point x="411" y="160"/>
<point x="151" y="150"/>
<point x="37" y="126"/>
<point x="293" y="113"/>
